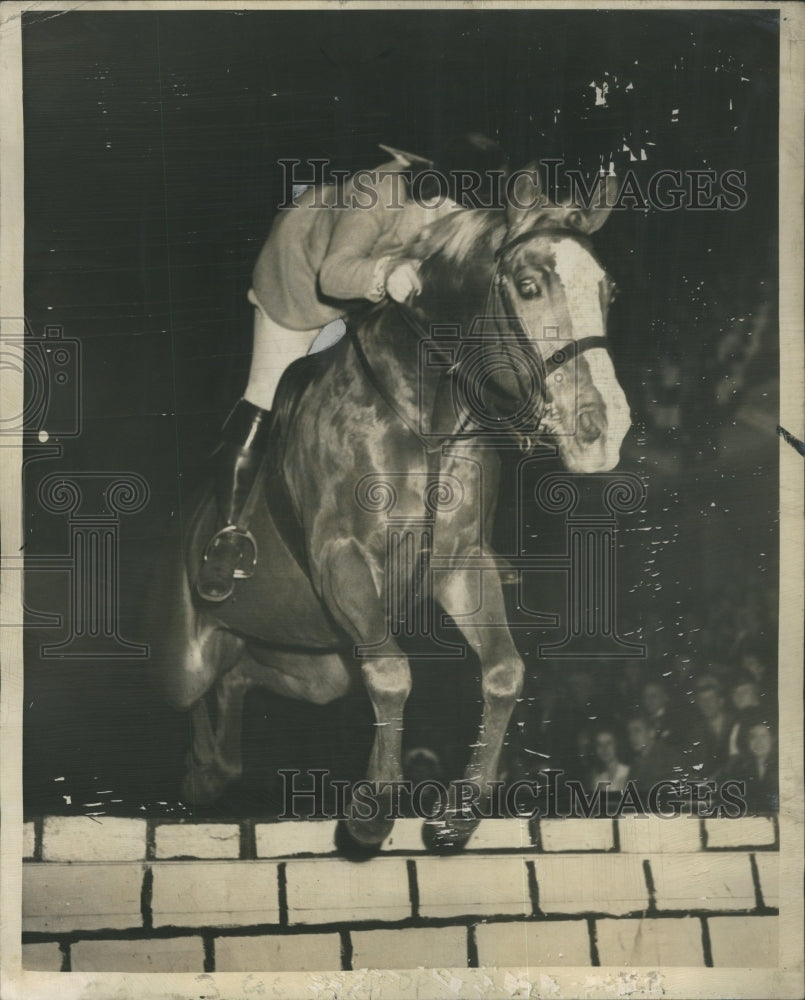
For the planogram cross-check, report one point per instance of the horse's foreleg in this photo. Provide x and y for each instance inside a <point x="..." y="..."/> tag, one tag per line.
<point x="502" y="673"/>
<point x="388" y="683"/>
<point x="350" y="593"/>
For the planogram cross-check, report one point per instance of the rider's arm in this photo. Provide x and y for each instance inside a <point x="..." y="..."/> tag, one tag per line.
<point x="357" y="257"/>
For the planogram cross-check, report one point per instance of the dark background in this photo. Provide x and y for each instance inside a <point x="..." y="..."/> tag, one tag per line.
<point x="151" y="144"/>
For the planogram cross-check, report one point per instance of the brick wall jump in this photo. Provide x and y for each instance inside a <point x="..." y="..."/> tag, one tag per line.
<point x="110" y="894"/>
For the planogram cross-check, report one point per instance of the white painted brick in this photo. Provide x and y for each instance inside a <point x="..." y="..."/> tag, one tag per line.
<point x="744" y="942"/>
<point x="768" y="869"/>
<point x="705" y="881"/>
<point x="85" y="838"/>
<point x="583" y="883"/>
<point x="410" y="948"/>
<point x="485" y="886"/>
<point x="282" y="840"/>
<point x="185" y="954"/>
<point x="197" y="840"/>
<point x="217" y="893"/>
<point x="650" y="941"/>
<point x="747" y="831"/>
<point x="533" y="944"/>
<point x="576" y="834"/>
<point x="28" y="840"/>
<point x="44" y="957"/>
<point x="406" y="835"/>
<point x="278" y="953"/>
<point x="493" y="834"/>
<point x="658" y="835"/>
<point x="65" y="897"/>
<point x="324" y="890"/>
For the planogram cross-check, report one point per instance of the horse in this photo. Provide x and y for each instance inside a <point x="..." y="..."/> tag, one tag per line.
<point x="368" y="428"/>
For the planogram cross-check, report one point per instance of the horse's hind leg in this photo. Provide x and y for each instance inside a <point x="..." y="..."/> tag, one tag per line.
<point x="215" y="759"/>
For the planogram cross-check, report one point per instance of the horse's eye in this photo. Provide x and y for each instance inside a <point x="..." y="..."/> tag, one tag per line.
<point x="529" y="289"/>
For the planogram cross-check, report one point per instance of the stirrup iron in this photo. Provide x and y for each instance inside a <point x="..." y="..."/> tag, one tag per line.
<point x="241" y="572"/>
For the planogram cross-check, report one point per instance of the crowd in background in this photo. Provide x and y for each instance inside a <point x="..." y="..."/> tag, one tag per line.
<point x="693" y="387"/>
<point x="706" y="713"/>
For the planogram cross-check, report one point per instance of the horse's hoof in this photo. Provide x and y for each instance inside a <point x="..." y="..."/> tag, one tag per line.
<point x="351" y="845"/>
<point x="203" y="785"/>
<point x="448" y="836"/>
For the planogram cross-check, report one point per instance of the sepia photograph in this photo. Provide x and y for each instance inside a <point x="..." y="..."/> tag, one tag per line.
<point x="401" y="428"/>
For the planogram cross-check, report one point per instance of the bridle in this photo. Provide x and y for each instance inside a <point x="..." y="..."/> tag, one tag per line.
<point x="574" y="348"/>
<point x="498" y="286"/>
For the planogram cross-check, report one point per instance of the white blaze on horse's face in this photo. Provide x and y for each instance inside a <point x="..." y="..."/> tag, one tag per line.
<point x="562" y="293"/>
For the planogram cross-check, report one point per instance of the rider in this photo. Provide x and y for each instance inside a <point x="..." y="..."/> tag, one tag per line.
<point x="319" y="255"/>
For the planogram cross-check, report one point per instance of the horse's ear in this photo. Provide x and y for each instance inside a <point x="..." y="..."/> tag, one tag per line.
<point x="590" y="220"/>
<point x="523" y="195"/>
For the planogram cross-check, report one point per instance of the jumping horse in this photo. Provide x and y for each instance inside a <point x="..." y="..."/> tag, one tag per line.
<point x="370" y="426"/>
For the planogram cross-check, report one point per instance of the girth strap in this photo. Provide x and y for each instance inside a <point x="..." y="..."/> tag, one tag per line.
<point x="285" y="518"/>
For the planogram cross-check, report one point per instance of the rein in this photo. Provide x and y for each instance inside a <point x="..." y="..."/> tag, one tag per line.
<point x="380" y="389"/>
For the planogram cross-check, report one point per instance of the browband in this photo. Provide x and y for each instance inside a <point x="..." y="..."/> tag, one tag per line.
<point x="532" y="234"/>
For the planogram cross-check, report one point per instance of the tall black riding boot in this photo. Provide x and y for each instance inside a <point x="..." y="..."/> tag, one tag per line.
<point x="232" y="551"/>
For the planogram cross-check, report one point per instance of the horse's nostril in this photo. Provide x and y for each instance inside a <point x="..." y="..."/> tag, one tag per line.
<point x="591" y="425"/>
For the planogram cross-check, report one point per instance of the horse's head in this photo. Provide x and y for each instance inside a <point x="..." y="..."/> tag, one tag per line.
<point x="549" y="281"/>
<point x="549" y="277"/>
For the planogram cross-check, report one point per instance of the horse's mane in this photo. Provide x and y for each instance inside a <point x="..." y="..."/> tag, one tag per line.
<point x="455" y="247"/>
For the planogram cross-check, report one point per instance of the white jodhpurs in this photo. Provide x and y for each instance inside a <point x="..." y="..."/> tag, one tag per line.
<point x="275" y="347"/>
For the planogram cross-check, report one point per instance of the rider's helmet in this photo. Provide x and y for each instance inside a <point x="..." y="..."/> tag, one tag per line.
<point x="460" y="155"/>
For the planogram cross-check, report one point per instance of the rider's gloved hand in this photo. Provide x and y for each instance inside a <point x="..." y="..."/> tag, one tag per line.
<point x="402" y="280"/>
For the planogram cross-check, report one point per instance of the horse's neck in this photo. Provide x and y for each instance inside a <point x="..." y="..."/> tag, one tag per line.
<point x="392" y="345"/>
<point x="417" y="379"/>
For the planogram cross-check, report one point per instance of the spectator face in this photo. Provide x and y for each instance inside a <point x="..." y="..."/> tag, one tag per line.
<point x="709" y="702"/>
<point x="654" y="698"/>
<point x="606" y="752"/>
<point x="760" y="741"/>
<point x="753" y="665"/>
<point x="641" y="736"/>
<point x="745" y="696"/>
<point x="583" y="743"/>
